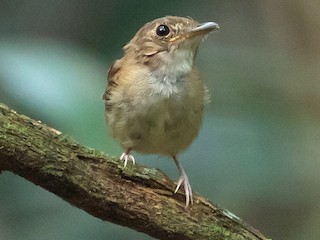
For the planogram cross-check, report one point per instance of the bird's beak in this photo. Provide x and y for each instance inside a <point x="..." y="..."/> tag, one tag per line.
<point x="202" y="29"/>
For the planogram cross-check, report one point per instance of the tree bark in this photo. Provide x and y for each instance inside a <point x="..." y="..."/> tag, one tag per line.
<point x="137" y="197"/>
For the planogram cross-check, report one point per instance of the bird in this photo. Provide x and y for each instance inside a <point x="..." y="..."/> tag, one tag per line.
<point x="155" y="96"/>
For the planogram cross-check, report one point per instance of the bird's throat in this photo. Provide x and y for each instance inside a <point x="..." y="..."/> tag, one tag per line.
<point x="169" y="77"/>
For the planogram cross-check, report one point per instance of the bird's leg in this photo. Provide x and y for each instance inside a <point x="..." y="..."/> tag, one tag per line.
<point x="126" y="156"/>
<point x="185" y="181"/>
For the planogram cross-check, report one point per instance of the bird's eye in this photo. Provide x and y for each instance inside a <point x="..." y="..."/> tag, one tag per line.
<point x="163" y="30"/>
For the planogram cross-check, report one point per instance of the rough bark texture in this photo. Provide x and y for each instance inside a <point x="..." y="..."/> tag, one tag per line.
<point x="136" y="197"/>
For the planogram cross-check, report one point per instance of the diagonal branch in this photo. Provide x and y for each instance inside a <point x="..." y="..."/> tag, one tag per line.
<point x="136" y="197"/>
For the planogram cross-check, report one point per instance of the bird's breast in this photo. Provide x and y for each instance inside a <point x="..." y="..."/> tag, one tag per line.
<point x="163" y="120"/>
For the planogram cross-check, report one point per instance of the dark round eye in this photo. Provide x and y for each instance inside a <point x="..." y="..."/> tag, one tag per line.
<point x="163" y="30"/>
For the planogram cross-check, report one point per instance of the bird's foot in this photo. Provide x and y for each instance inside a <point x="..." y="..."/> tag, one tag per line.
<point x="127" y="157"/>
<point x="187" y="188"/>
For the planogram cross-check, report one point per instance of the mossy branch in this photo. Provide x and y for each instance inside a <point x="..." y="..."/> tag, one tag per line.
<point x="137" y="197"/>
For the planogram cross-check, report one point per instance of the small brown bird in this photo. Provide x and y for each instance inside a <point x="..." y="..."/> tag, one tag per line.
<point x="155" y="97"/>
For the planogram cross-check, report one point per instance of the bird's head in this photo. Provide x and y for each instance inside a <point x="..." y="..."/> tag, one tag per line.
<point x="169" y="41"/>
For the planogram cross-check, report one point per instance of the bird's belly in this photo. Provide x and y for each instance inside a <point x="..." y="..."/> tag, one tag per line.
<point x="163" y="127"/>
<point x="163" y="133"/>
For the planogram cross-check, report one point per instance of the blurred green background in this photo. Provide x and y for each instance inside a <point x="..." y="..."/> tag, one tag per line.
<point x="258" y="152"/>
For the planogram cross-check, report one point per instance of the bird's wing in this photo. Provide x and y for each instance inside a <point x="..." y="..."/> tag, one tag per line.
<point x="112" y="83"/>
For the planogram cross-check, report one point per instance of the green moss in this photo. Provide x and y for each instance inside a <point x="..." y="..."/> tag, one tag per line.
<point x="53" y="170"/>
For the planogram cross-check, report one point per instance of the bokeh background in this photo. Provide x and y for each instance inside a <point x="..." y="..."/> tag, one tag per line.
<point x="258" y="152"/>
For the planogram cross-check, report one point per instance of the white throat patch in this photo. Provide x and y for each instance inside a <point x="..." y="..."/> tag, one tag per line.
<point x="168" y="79"/>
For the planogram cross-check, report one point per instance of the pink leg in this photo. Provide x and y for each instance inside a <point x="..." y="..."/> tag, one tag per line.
<point x="183" y="179"/>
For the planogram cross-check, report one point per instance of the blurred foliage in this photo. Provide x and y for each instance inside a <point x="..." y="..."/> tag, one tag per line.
<point x="258" y="151"/>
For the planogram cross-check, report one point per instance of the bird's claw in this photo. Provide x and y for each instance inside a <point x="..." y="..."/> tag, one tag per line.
<point x="187" y="188"/>
<point x="127" y="157"/>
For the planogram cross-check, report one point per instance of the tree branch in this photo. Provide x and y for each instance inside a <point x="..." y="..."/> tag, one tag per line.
<point x="137" y="197"/>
